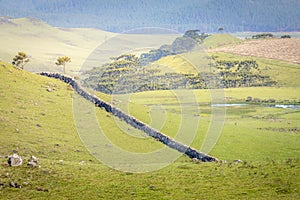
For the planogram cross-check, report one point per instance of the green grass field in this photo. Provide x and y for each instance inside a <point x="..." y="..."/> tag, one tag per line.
<point x="40" y="123"/>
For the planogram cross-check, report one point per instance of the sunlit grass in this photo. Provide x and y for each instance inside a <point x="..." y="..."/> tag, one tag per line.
<point x="270" y="170"/>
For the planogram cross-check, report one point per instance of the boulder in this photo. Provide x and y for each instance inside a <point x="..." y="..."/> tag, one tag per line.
<point x="237" y="161"/>
<point x="14" y="185"/>
<point x="49" y="89"/>
<point x="15" y="160"/>
<point x="32" y="162"/>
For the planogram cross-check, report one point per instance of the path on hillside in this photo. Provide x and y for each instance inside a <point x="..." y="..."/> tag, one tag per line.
<point x="190" y="152"/>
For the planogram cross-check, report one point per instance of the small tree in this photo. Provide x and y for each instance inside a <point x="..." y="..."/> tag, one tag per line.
<point x="63" y="61"/>
<point x="285" y="36"/>
<point x="220" y="29"/>
<point x="20" y="60"/>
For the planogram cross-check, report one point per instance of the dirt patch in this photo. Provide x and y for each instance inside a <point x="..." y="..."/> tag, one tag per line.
<point x="280" y="49"/>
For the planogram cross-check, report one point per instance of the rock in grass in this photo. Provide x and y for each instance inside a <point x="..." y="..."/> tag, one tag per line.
<point x="237" y="161"/>
<point x="42" y="189"/>
<point x="14" y="185"/>
<point x="15" y="160"/>
<point x="25" y="183"/>
<point x="49" y="89"/>
<point x="32" y="162"/>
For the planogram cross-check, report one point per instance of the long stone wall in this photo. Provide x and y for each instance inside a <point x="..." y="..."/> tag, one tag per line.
<point x="190" y="152"/>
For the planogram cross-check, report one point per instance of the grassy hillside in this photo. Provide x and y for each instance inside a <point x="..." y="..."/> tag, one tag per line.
<point x="197" y="60"/>
<point x="40" y="123"/>
<point x="285" y="73"/>
<point x="218" y="40"/>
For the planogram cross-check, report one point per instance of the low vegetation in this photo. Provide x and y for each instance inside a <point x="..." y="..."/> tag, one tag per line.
<point x="263" y="36"/>
<point x="125" y="75"/>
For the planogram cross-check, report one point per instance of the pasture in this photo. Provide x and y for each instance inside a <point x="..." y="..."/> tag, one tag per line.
<point x="270" y="167"/>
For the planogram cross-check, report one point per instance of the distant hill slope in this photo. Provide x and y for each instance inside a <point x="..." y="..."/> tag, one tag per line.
<point x="118" y="16"/>
<point x="44" y="43"/>
<point x="277" y="58"/>
<point x="197" y="60"/>
<point x="217" y="40"/>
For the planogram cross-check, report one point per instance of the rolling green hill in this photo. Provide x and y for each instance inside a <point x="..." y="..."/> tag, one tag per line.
<point x="37" y="121"/>
<point x="217" y="40"/>
<point x="197" y="60"/>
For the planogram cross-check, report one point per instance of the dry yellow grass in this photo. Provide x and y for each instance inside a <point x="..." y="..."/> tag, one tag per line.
<point x="279" y="49"/>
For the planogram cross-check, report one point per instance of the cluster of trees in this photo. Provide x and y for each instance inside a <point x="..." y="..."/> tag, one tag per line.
<point x="125" y="75"/>
<point x="286" y="36"/>
<point x="241" y="74"/>
<point x="182" y="44"/>
<point x="21" y="59"/>
<point x="268" y="35"/>
<point x="263" y="36"/>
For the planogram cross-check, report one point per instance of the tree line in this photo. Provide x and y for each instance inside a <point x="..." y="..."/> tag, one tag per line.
<point x="126" y="75"/>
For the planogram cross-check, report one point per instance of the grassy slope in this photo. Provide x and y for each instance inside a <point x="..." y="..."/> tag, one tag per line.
<point x="218" y="40"/>
<point x="285" y="73"/>
<point x="197" y="60"/>
<point x="25" y="103"/>
<point x="45" y="43"/>
<point x="174" y="63"/>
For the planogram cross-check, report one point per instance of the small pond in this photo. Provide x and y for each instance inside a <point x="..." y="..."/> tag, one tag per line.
<point x="244" y="104"/>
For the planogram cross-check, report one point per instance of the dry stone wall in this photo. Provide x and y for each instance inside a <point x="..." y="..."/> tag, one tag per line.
<point x="190" y="152"/>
